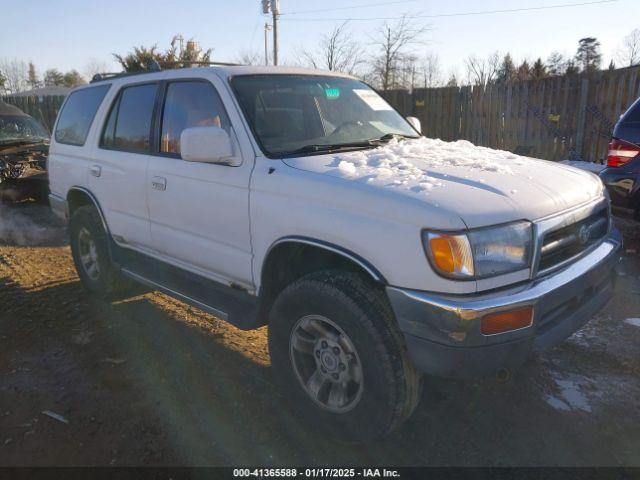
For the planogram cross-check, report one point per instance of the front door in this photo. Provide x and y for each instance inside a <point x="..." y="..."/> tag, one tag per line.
<point x="199" y="212"/>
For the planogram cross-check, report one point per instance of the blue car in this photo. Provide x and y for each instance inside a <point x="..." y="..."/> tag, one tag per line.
<point x="622" y="175"/>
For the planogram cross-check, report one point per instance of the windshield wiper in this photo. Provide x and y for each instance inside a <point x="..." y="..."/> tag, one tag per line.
<point x="390" y="136"/>
<point x="330" y="147"/>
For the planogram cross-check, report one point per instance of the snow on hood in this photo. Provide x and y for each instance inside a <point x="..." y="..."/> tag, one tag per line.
<point x="395" y="163"/>
<point x="481" y="185"/>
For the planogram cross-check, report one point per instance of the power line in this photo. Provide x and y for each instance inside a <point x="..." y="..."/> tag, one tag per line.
<point x="300" y="12"/>
<point x="460" y="14"/>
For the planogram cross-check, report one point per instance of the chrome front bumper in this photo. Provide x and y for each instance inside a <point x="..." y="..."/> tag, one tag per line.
<point x="443" y="332"/>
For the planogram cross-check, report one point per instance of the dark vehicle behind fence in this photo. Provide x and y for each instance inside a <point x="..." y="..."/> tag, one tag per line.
<point x="622" y="175"/>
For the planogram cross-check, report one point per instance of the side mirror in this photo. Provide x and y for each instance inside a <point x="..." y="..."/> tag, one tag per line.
<point x="415" y="123"/>
<point x="206" y="145"/>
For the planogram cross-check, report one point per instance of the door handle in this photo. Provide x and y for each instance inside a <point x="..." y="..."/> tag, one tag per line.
<point x="159" y="183"/>
<point x="95" y="170"/>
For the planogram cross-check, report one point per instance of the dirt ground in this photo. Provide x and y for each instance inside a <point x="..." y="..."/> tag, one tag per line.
<point x="151" y="381"/>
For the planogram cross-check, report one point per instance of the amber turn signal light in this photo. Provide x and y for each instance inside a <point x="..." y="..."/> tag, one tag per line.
<point x="501" y="322"/>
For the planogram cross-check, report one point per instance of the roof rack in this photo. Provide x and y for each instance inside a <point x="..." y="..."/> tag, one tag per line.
<point x="155" y="66"/>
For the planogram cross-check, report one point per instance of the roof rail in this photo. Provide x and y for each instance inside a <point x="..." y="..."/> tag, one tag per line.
<point x="156" y="66"/>
<point x="198" y="62"/>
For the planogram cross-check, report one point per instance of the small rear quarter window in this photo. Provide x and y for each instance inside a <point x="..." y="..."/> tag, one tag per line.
<point x="77" y="115"/>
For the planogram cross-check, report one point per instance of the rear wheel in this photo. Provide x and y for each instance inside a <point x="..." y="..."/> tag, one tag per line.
<point x="338" y="354"/>
<point x="90" y="251"/>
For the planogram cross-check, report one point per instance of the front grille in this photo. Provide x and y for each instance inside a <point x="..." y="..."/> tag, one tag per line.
<point x="559" y="246"/>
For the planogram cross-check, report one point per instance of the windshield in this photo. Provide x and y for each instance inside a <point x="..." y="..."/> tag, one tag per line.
<point x="296" y="114"/>
<point x="20" y="128"/>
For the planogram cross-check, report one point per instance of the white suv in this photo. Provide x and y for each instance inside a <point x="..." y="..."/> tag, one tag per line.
<point x="302" y="200"/>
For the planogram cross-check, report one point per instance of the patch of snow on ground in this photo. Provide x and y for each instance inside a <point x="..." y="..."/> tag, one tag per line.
<point x="590" y="166"/>
<point x="570" y="396"/>
<point x="589" y="335"/>
<point x="633" y="321"/>
<point x="395" y="163"/>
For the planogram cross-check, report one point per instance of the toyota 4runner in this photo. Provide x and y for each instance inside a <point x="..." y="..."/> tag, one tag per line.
<point x="302" y="200"/>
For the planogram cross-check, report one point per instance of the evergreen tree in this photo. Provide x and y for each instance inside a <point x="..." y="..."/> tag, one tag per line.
<point x="72" y="79"/>
<point x="140" y="58"/>
<point x="33" y="76"/>
<point x="507" y="70"/>
<point x="588" y="55"/>
<point x="524" y="71"/>
<point x="53" y="77"/>
<point x="572" y="68"/>
<point x="539" y="70"/>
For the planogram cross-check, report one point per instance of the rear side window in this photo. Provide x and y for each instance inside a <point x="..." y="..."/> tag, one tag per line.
<point x="128" y="127"/>
<point x="77" y="115"/>
<point x="190" y="104"/>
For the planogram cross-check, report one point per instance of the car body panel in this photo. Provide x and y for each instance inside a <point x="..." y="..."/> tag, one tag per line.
<point x="623" y="182"/>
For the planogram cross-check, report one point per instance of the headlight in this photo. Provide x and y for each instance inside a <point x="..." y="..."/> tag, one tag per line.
<point x="480" y="253"/>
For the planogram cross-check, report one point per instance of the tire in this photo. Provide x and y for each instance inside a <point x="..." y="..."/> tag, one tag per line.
<point x="377" y="386"/>
<point x="90" y="250"/>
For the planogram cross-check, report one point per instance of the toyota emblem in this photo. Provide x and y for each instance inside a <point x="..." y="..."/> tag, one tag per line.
<point x="583" y="234"/>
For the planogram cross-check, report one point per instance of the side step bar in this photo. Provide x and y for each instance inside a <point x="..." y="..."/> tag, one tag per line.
<point x="172" y="293"/>
<point x="232" y="305"/>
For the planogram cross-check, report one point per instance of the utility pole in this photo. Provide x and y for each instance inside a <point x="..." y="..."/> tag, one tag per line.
<point x="275" y="10"/>
<point x="273" y="7"/>
<point x="267" y="27"/>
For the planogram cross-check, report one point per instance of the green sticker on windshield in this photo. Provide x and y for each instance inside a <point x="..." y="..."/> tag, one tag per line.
<point x="332" y="93"/>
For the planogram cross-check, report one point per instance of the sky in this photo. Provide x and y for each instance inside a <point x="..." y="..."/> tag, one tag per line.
<point x="68" y="34"/>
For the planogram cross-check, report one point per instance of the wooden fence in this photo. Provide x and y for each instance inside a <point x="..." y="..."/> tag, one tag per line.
<point x="568" y="117"/>
<point x="44" y="109"/>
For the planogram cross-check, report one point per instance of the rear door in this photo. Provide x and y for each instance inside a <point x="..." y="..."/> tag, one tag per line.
<point x="199" y="211"/>
<point x="71" y="143"/>
<point x="118" y="171"/>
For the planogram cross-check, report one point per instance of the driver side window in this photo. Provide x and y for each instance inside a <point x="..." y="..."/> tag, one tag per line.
<point x="190" y="104"/>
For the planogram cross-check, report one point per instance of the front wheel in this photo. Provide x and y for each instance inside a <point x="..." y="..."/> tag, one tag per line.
<point x="337" y="352"/>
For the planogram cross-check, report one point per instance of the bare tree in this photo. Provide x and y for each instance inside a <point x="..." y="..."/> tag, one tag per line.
<point x="16" y="75"/>
<point x="393" y="42"/>
<point x="407" y="74"/>
<point x="95" y="66"/>
<point x="556" y="64"/>
<point x="248" y="57"/>
<point x="482" y="71"/>
<point x="337" y="51"/>
<point x="628" y="54"/>
<point x="431" y="73"/>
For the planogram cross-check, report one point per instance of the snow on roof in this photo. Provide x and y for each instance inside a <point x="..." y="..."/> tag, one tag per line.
<point x="406" y="163"/>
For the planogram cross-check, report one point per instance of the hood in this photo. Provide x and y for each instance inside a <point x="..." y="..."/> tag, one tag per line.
<point x="480" y="185"/>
